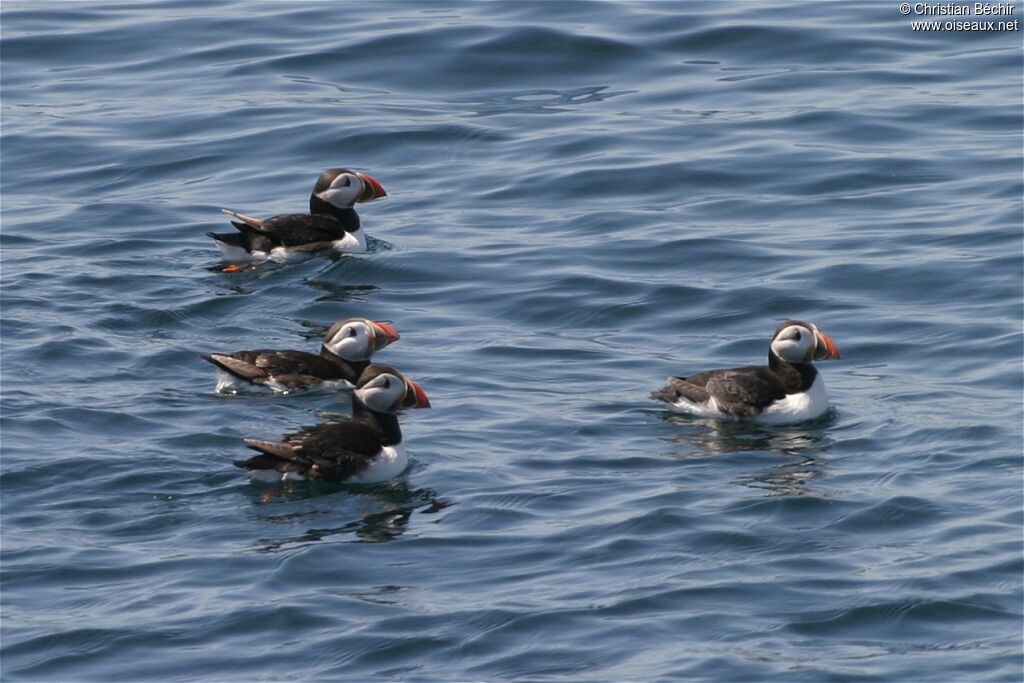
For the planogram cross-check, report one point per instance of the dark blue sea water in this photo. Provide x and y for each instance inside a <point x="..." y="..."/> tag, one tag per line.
<point x="584" y="198"/>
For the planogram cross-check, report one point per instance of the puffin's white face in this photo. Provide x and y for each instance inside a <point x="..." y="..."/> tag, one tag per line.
<point x="794" y="343"/>
<point x="383" y="393"/>
<point x="353" y="340"/>
<point x="357" y="338"/>
<point x="800" y="342"/>
<point x="383" y="389"/>
<point x="343" y="191"/>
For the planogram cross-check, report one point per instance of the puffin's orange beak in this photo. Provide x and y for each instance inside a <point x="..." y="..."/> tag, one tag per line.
<point x="371" y="188"/>
<point x="825" y="349"/>
<point x="383" y="334"/>
<point x="421" y="396"/>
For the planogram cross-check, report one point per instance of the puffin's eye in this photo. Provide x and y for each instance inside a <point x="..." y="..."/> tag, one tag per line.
<point x="351" y="331"/>
<point x="387" y="383"/>
<point x="348" y="181"/>
<point x="797" y="335"/>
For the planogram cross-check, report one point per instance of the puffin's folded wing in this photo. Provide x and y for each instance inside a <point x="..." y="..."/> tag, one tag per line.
<point x="677" y="388"/>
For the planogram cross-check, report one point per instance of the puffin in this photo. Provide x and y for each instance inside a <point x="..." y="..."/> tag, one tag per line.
<point x="346" y="351"/>
<point x="331" y="223"/>
<point x="363" y="450"/>
<point x="787" y="390"/>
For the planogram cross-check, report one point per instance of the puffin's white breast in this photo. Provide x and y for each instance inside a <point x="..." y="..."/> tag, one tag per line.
<point x="352" y="243"/>
<point x="390" y="462"/>
<point x="798" y="407"/>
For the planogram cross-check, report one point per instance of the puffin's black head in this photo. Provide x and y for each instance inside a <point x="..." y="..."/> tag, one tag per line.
<point x="386" y="390"/>
<point x="342" y="188"/>
<point x="797" y="341"/>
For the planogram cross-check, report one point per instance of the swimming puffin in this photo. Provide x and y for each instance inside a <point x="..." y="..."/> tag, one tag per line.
<point x="788" y="389"/>
<point x="363" y="450"/>
<point x="345" y="353"/>
<point x="331" y="223"/>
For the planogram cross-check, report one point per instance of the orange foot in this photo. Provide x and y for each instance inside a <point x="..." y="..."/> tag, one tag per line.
<point x="235" y="267"/>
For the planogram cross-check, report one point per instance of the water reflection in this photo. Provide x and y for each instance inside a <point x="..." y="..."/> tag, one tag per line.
<point x="801" y="444"/>
<point x="383" y="511"/>
<point x="384" y="595"/>
<point x="336" y="291"/>
<point x="242" y="277"/>
<point x="240" y="281"/>
<point x="785" y="479"/>
<point x="312" y="330"/>
<point x="545" y="101"/>
<point x="348" y="89"/>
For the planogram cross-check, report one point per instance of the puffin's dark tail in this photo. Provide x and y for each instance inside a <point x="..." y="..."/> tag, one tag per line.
<point x="273" y="455"/>
<point x="668" y="393"/>
<point x="234" y="239"/>
<point x="244" y="222"/>
<point x="275" y="449"/>
<point x="258" y="462"/>
<point x="211" y="358"/>
<point x="230" y="365"/>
